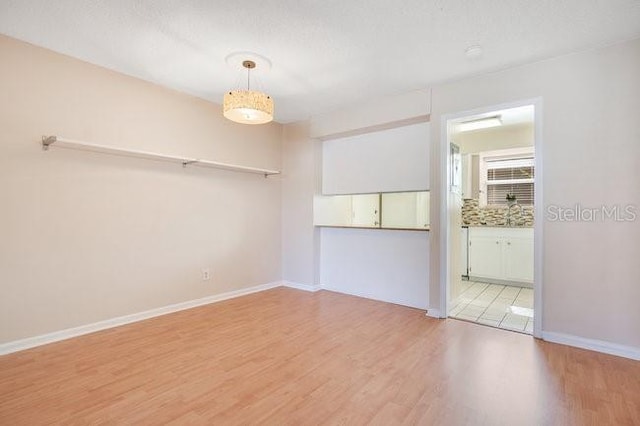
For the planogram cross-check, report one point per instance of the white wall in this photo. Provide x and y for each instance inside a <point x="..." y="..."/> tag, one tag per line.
<point x="385" y="161"/>
<point x="392" y="266"/>
<point x="87" y="237"/>
<point x="591" y="156"/>
<point x="386" y="265"/>
<point x="366" y="117"/>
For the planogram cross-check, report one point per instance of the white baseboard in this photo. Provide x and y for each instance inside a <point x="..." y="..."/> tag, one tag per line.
<point x="305" y="287"/>
<point x="592" y="344"/>
<point x="434" y="313"/>
<point x="31" y="342"/>
<point x="366" y="295"/>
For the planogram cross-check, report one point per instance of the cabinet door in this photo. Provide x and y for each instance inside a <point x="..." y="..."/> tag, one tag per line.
<point x="399" y="210"/>
<point x="365" y="210"/>
<point x="519" y="258"/>
<point x="485" y="256"/>
<point x="332" y="210"/>
<point x="405" y="210"/>
<point x="423" y="206"/>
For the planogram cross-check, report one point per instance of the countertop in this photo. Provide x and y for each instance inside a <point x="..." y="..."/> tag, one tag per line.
<point x="496" y="226"/>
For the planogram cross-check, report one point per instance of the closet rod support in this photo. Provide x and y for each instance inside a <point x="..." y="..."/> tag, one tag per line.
<point x="48" y="140"/>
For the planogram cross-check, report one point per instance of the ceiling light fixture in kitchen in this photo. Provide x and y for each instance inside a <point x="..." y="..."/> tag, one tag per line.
<point x="480" y="123"/>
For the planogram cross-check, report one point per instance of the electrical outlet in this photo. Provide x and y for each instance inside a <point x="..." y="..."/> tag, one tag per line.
<point x="206" y="274"/>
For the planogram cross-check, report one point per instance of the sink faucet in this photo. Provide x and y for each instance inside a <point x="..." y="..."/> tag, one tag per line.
<point x="510" y="206"/>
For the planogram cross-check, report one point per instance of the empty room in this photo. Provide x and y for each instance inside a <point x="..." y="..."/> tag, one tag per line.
<point x="319" y="213"/>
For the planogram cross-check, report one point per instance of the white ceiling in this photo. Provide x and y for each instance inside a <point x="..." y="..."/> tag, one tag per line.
<point x="325" y="54"/>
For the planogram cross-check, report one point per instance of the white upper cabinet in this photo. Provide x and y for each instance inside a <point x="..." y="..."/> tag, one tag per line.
<point x="359" y="210"/>
<point x="405" y="210"/>
<point x="398" y="210"/>
<point x="332" y="210"/>
<point x="365" y="210"/>
<point x="423" y="209"/>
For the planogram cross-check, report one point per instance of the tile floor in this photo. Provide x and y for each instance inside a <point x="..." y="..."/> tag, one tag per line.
<point x="507" y="307"/>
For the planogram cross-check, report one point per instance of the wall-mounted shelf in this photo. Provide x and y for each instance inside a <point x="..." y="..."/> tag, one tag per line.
<point x="48" y="141"/>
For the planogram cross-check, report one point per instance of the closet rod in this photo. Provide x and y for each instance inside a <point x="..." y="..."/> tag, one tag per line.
<point x="48" y="141"/>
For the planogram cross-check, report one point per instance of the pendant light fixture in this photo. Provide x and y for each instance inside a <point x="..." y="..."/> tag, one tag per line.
<point x="248" y="106"/>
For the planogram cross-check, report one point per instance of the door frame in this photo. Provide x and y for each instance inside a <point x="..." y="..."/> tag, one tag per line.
<point x="538" y="227"/>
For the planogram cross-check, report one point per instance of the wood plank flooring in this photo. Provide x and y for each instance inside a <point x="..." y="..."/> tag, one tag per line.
<point x="287" y="357"/>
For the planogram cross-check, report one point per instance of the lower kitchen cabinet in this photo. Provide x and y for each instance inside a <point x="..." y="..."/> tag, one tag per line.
<point x="503" y="254"/>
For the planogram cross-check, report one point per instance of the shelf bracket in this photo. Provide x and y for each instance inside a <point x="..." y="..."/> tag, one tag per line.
<point x="48" y="140"/>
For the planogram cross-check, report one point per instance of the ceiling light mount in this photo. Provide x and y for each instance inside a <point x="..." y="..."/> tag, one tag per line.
<point x="247" y="106"/>
<point x="236" y="60"/>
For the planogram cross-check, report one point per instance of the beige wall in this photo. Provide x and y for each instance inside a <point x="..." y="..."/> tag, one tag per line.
<point x="591" y="156"/>
<point x="301" y="166"/>
<point x="86" y="237"/>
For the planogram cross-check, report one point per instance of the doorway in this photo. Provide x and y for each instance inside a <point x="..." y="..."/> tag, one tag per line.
<point x="491" y="256"/>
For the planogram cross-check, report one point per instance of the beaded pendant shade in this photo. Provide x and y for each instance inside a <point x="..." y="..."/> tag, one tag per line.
<point x="248" y="106"/>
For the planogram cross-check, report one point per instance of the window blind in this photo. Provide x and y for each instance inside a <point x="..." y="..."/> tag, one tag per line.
<point x="497" y="194"/>
<point x="510" y="176"/>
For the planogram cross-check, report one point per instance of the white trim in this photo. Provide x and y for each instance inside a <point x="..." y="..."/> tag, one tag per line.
<point x="445" y="175"/>
<point x="299" y="286"/>
<point x="592" y="345"/>
<point x="56" y="336"/>
<point x="434" y="313"/>
<point x="538" y="221"/>
<point x="445" y="179"/>
<point x="365" y="295"/>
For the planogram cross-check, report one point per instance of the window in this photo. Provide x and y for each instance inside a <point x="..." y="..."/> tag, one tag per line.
<point x="507" y="174"/>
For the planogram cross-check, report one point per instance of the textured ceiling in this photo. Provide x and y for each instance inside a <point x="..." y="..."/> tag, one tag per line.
<point x="325" y="54"/>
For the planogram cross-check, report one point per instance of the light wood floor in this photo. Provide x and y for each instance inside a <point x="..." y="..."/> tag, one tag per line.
<point x="289" y="357"/>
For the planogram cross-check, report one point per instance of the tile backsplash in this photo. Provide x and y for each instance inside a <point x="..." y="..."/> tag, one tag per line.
<point x="474" y="215"/>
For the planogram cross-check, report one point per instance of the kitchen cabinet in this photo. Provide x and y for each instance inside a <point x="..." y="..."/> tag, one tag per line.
<point x="519" y="257"/>
<point x="365" y="210"/>
<point x="501" y="254"/>
<point x="332" y="211"/>
<point x="405" y="210"/>
<point x="358" y="210"/>
<point x="392" y="210"/>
